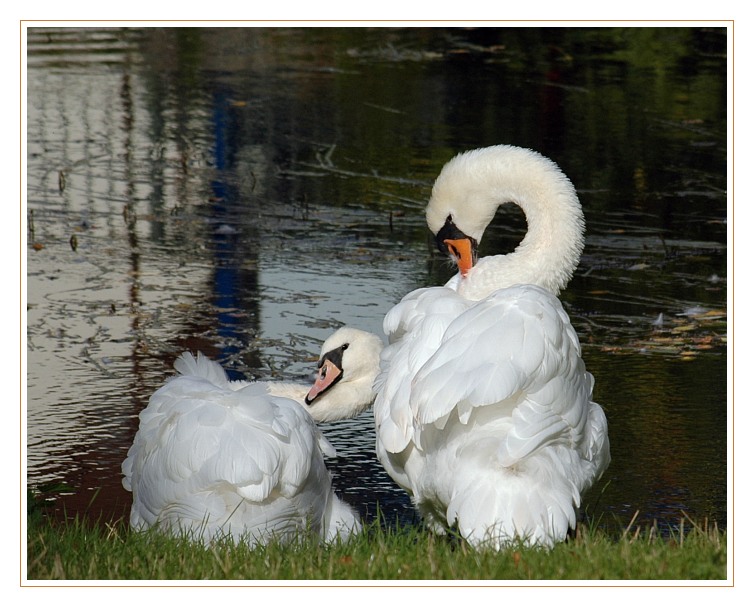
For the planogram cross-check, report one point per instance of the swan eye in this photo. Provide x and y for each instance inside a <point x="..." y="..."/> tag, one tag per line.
<point x="344" y="346"/>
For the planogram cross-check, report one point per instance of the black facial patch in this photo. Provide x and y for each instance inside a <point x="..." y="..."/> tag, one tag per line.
<point x="334" y="356"/>
<point x="450" y="231"/>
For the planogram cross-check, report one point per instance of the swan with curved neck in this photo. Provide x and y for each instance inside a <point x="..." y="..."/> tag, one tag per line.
<point x="483" y="411"/>
<point x="214" y="457"/>
<point x="468" y="192"/>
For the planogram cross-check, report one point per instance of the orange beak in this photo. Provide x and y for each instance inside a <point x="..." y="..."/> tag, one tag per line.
<point x="328" y="374"/>
<point x="463" y="253"/>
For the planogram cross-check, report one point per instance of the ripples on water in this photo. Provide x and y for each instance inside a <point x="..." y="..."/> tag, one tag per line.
<point x="184" y="194"/>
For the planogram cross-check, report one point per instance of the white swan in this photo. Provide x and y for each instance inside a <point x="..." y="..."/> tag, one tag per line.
<point x="484" y="411"/>
<point x="214" y="457"/>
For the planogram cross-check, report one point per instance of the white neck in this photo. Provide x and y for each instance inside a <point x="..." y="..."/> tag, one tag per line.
<point x="344" y="400"/>
<point x="547" y="256"/>
<point x="487" y="178"/>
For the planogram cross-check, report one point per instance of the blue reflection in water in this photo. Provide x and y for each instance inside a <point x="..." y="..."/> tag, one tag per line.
<point x="229" y="280"/>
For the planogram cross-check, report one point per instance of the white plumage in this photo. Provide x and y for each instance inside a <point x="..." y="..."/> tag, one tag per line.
<point x="484" y="411"/>
<point x="215" y="458"/>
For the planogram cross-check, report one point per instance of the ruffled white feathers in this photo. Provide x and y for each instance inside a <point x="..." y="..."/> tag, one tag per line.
<point x="217" y="458"/>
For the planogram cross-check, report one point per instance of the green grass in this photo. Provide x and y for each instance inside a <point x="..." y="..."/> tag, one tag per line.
<point x="85" y="551"/>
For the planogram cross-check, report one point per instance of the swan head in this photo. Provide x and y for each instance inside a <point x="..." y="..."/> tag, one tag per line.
<point x="468" y="192"/>
<point x="349" y="362"/>
<point x="453" y="241"/>
<point x="462" y="205"/>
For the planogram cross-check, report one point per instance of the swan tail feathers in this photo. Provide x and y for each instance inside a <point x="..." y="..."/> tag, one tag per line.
<point x="514" y="510"/>
<point x="341" y="521"/>
<point x="201" y="366"/>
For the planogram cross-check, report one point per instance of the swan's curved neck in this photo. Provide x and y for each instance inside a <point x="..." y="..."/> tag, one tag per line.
<point x="480" y="183"/>
<point x="547" y="256"/>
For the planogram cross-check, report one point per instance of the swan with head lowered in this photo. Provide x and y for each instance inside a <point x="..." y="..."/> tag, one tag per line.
<point x="216" y="458"/>
<point x="484" y="411"/>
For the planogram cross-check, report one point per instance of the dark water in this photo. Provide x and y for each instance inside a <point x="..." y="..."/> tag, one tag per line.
<point x="245" y="191"/>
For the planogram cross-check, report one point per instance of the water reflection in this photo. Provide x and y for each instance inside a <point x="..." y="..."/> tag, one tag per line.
<point x="244" y="191"/>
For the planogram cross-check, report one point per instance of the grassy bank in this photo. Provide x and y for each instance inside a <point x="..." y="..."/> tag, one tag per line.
<point x="78" y="551"/>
